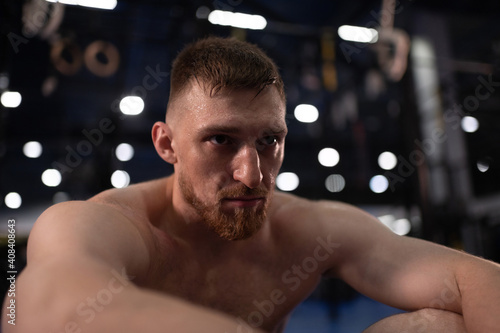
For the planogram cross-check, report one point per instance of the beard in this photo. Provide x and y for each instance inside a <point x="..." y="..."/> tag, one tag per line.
<point x="236" y="224"/>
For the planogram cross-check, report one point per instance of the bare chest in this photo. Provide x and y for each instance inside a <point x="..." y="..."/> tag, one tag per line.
<point x="258" y="291"/>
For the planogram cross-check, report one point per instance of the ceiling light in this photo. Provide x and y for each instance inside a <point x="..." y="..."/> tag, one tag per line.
<point x="401" y="227"/>
<point x="379" y="184"/>
<point x="358" y="34"/>
<point x="483" y="165"/>
<point x="470" y="124"/>
<point x="131" y="105"/>
<point x="287" y="181"/>
<point x="98" y="4"/>
<point x="237" y="20"/>
<point x="120" y="179"/>
<point x="13" y="200"/>
<point x="306" y="113"/>
<point x="11" y="99"/>
<point x="51" y="177"/>
<point x="398" y="226"/>
<point x="124" y="152"/>
<point x="32" y="149"/>
<point x="335" y="183"/>
<point x="328" y="157"/>
<point x="387" y="160"/>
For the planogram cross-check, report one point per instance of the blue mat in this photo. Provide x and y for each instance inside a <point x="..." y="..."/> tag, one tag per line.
<point x="348" y="317"/>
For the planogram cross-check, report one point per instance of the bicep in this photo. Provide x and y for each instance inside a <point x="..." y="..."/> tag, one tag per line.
<point x="409" y="274"/>
<point x="400" y="271"/>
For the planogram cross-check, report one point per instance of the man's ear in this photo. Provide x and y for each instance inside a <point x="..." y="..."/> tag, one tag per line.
<point x="162" y="139"/>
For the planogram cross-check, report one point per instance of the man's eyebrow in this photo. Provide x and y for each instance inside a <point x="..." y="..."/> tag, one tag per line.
<point x="277" y="130"/>
<point x="232" y="129"/>
<point x="220" y="129"/>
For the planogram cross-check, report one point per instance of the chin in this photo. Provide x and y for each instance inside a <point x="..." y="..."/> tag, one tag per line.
<point x="243" y="224"/>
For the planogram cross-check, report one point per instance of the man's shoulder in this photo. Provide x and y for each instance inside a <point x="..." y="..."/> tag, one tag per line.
<point x="129" y="194"/>
<point x="300" y="217"/>
<point x="283" y="201"/>
<point x="292" y="215"/>
<point x="307" y="228"/>
<point x="119" y="208"/>
<point x="87" y="229"/>
<point x="137" y="201"/>
<point x="71" y="211"/>
<point x="290" y="205"/>
<point x="74" y="217"/>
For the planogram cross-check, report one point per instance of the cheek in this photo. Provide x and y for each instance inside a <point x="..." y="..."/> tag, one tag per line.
<point x="272" y="177"/>
<point x="211" y="172"/>
<point x="191" y="157"/>
<point x="270" y="172"/>
<point x="205" y="169"/>
<point x="277" y="162"/>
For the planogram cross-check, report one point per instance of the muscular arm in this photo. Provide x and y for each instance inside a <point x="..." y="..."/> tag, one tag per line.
<point x="409" y="273"/>
<point x="84" y="263"/>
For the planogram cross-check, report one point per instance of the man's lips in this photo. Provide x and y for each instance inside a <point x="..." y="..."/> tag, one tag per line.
<point x="244" y="201"/>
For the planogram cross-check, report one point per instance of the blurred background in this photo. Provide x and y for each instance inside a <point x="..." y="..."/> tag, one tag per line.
<point x="393" y="106"/>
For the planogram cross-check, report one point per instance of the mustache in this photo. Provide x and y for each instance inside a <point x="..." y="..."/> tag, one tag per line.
<point x="240" y="191"/>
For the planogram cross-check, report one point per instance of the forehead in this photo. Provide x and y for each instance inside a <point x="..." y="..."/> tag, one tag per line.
<point x="237" y="107"/>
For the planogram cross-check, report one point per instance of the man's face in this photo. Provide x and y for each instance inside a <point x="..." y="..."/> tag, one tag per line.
<point x="229" y="150"/>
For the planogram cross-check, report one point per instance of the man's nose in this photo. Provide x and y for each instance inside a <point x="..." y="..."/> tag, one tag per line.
<point x="246" y="167"/>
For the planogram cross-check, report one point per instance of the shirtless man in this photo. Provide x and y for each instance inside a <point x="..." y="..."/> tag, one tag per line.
<point x="214" y="248"/>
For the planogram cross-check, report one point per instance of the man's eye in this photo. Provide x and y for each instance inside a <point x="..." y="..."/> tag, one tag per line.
<point x="219" y="139"/>
<point x="268" y="140"/>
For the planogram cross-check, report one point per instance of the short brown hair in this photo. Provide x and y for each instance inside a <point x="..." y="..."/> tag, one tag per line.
<point x="220" y="63"/>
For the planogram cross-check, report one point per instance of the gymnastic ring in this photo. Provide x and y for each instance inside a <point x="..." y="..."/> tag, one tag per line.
<point x="97" y="67"/>
<point x="60" y="63"/>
